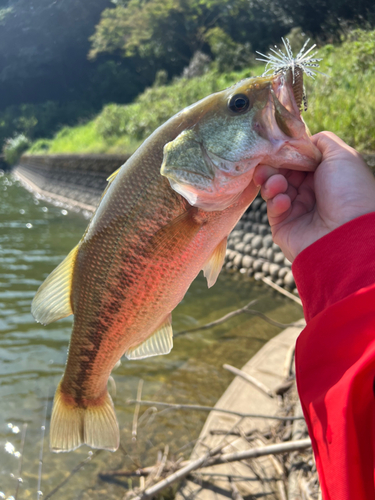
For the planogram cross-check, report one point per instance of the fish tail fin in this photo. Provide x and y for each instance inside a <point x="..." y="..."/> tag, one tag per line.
<point x="71" y="425"/>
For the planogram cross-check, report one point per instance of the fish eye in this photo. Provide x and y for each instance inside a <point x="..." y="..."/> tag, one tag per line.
<point x="239" y="103"/>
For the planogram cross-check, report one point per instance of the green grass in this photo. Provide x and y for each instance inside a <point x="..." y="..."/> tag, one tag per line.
<point x="343" y="102"/>
<point x="121" y="128"/>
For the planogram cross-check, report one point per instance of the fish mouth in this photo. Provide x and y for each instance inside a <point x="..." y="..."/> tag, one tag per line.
<point x="280" y="122"/>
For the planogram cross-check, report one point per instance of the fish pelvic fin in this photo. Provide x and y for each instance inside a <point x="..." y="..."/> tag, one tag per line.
<point x="72" y="425"/>
<point x="212" y="267"/>
<point x="160" y="342"/>
<point x="52" y="300"/>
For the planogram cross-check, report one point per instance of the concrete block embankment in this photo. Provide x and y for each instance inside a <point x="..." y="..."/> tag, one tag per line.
<point x="79" y="180"/>
<point x="70" y="180"/>
<point x="251" y="249"/>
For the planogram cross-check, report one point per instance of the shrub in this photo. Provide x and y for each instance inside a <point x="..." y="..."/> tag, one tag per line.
<point x="14" y="147"/>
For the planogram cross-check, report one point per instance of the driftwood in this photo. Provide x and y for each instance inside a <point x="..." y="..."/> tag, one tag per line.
<point x="252" y="380"/>
<point x="290" y="447"/>
<point x="236" y="495"/>
<point x="208" y="460"/>
<point x="232" y="314"/>
<point x="299" y="429"/>
<point x="209" y="409"/>
<point x="261" y="451"/>
<point x="281" y="290"/>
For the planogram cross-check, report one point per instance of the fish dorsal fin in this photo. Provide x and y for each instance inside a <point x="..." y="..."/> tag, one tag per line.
<point x="52" y="300"/>
<point x="160" y="342"/>
<point x="112" y="176"/>
<point x="212" y="267"/>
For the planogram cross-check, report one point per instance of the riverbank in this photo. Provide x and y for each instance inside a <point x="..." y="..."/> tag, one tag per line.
<point x="272" y="368"/>
<point x="254" y="442"/>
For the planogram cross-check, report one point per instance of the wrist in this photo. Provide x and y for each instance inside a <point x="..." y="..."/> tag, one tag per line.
<point x="337" y="265"/>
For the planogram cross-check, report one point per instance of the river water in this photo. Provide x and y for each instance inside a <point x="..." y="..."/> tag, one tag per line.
<point x="34" y="238"/>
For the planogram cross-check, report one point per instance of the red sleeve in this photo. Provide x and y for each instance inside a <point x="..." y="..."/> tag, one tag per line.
<point x="335" y="357"/>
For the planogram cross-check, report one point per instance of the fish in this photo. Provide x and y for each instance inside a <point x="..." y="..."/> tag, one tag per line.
<point x="165" y="215"/>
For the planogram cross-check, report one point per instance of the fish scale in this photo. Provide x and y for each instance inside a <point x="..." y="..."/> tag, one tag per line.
<point x="160" y="221"/>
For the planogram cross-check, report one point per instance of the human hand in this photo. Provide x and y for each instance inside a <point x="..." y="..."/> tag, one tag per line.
<point x="304" y="206"/>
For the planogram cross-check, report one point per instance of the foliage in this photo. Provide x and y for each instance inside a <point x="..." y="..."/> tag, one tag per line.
<point x="228" y="54"/>
<point x="198" y="65"/>
<point x="48" y="82"/>
<point x="121" y="128"/>
<point x="46" y="79"/>
<point x="169" y="32"/>
<point x="343" y="102"/>
<point x="329" y="19"/>
<point x="14" y="147"/>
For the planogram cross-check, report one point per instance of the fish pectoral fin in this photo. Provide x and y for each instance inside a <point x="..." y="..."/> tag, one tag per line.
<point x="113" y="175"/>
<point x="52" y="300"/>
<point x="178" y="233"/>
<point x="95" y="425"/>
<point x="212" y="267"/>
<point x="160" y="342"/>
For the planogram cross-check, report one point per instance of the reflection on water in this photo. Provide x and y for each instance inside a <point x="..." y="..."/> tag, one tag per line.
<point x="34" y="238"/>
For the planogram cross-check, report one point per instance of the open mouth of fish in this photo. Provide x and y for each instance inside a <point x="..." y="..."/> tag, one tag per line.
<point x="280" y="122"/>
<point x="274" y="134"/>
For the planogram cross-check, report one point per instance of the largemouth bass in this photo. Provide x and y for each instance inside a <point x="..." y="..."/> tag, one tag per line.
<point x="164" y="216"/>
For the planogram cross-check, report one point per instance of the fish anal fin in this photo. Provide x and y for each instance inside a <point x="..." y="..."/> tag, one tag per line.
<point x="160" y="342"/>
<point x="52" y="300"/>
<point x="95" y="425"/>
<point x="178" y="233"/>
<point x="212" y="267"/>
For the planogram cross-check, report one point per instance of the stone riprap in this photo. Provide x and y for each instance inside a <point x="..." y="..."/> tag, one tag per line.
<point x="79" y="180"/>
<point x="72" y="180"/>
<point x="251" y="251"/>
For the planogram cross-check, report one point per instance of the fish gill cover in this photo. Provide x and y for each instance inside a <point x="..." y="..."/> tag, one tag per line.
<point x="304" y="62"/>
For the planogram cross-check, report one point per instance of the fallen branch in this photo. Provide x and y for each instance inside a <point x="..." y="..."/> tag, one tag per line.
<point x="232" y="314"/>
<point x="278" y="288"/>
<point x="43" y="433"/>
<point x="136" y="412"/>
<point x="236" y="495"/>
<point x="218" y="321"/>
<point x="289" y="361"/>
<point x="72" y="472"/>
<point x="19" y="479"/>
<point x="210" y="408"/>
<point x="252" y="380"/>
<point x="271" y="321"/>
<point x="209" y="460"/>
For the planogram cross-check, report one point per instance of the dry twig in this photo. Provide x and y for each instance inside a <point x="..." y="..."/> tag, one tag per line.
<point x="236" y="495"/>
<point x="19" y="479"/>
<point x="278" y="288"/>
<point x="210" y="459"/>
<point x="43" y="433"/>
<point x="252" y="380"/>
<point x="232" y="314"/>
<point x="136" y="411"/>
<point x="211" y="408"/>
<point x="77" y="468"/>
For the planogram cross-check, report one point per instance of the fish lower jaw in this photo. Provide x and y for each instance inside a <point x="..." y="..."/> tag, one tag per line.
<point x="294" y="154"/>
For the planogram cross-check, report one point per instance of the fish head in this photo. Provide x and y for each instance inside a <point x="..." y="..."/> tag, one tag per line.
<point x="258" y="120"/>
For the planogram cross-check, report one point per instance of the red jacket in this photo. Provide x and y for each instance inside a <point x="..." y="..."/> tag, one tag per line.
<point x="335" y="357"/>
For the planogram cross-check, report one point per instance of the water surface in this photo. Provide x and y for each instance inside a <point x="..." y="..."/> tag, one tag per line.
<point x="34" y="238"/>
